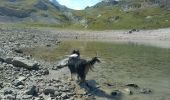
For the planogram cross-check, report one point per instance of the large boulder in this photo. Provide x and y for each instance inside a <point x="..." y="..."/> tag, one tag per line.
<point x="32" y="90"/>
<point x="22" y="62"/>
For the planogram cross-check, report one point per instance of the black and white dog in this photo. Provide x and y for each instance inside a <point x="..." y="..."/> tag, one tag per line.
<point x="80" y="66"/>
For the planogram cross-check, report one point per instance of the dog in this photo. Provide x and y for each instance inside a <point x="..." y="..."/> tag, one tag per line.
<point x="80" y="66"/>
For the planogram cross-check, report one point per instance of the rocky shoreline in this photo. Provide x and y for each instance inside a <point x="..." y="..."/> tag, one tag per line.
<point x="23" y="78"/>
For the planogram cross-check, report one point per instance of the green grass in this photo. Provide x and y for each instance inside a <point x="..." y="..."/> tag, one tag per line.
<point x="131" y="19"/>
<point x="122" y="55"/>
<point x="136" y="18"/>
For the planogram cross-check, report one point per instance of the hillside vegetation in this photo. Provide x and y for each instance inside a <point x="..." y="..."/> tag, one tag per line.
<point x="126" y="14"/>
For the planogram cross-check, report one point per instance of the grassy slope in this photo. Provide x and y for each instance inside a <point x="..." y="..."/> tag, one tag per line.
<point x="51" y="12"/>
<point x="131" y="19"/>
<point x="127" y="19"/>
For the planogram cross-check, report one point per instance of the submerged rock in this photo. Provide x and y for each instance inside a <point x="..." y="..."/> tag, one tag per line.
<point x="116" y="93"/>
<point x="132" y="85"/>
<point x="146" y="91"/>
<point x="127" y="91"/>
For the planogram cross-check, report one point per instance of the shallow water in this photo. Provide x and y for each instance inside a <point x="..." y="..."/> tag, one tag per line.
<point x="146" y="66"/>
<point x="157" y="81"/>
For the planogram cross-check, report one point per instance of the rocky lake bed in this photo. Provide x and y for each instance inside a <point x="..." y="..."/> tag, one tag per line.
<point x="23" y="77"/>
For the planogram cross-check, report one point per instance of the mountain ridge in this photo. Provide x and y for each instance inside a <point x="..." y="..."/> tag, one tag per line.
<point x="109" y="14"/>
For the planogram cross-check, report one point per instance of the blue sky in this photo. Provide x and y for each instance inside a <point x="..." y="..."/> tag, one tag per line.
<point x="78" y="4"/>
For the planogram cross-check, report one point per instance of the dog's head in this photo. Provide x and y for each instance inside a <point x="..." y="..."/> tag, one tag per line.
<point x="76" y="52"/>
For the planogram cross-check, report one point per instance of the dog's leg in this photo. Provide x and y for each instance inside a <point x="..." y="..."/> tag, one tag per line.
<point x="71" y="78"/>
<point x="83" y="79"/>
<point x="78" y="77"/>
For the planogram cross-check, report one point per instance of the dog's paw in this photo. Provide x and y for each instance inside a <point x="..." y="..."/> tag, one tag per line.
<point x="70" y="79"/>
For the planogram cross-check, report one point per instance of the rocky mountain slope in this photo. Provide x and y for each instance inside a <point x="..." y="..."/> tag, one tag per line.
<point x="42" y="11"/>
<point x="107" y="14"/>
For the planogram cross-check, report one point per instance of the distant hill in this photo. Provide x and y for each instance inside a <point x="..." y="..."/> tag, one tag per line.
<point x="107" y="14"/>
<point x="40" y="11"/>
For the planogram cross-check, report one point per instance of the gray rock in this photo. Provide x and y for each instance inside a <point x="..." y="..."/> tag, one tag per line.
<point x="65" y="89"/>
<point x="56" y="93"/>
<point x="10" y="97"/>
<point x="146" y="91"/>
<point x="8" y="91"/>
<point x="1" y="67"/>
<point x="20" y="86"/>
<point x="17" y="83"/>
<point x="1" y="84"/>
<point x="49" y="90"/>
<point x="127" y="91"/>
<point x="116" y="93"/>
<point x="45" y="72"/>
<point x="8" y="60"/>
<point x="2" y="60"/>
<point x="32" y="90"/>
<point x="71" y="94"/>
<point x="21" y="78"/>
<point x="18" y="51"/>
<point x="64" y="95"/>
<point x="27" y="97"/>
<point x="132" y="85"/>
<point x="25" y="63"/>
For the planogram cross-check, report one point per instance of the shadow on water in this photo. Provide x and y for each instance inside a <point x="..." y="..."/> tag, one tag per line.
<point x="91" y="87"/>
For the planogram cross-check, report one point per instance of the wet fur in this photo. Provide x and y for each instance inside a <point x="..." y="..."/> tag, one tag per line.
<point x="81" y="67"/>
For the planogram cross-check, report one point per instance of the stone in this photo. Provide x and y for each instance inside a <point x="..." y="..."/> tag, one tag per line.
<point x="71" y="94"/>
<point x="8" y="60"/>
<point x="1" y="67"/>
<point x="24" y="63"/>
<point x="32" y="90"/>
<point x="49" y="90"/>
<point x="18" y="51"/>
<point x="132" y="85"/>
<point x="2" y="60"/>
<point x="27" y="97"/>
<point x="127" y="91"/>
<point x="17" y="83"/>
<point x="146" y="91"/>
<point x="56" y="93"/>
<point x="21" y="78"/>
<point x="8" y="91"/>
<point x="20" y="86"/>
<point x="116" y="93"/>
<point x="10" y="97"/>
<point x="65" y="89"/>
<point x="1" y="84"/>
<point x="45" y="72"/>
<point x="64" y="95"/>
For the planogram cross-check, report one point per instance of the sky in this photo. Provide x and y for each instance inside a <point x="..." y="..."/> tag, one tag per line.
<point x="78" y="4"/>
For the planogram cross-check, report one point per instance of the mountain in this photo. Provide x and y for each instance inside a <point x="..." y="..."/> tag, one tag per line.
<point x="40" y="11"/>
<point x="107" y="14"/>
<point x="127" y="14"/>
